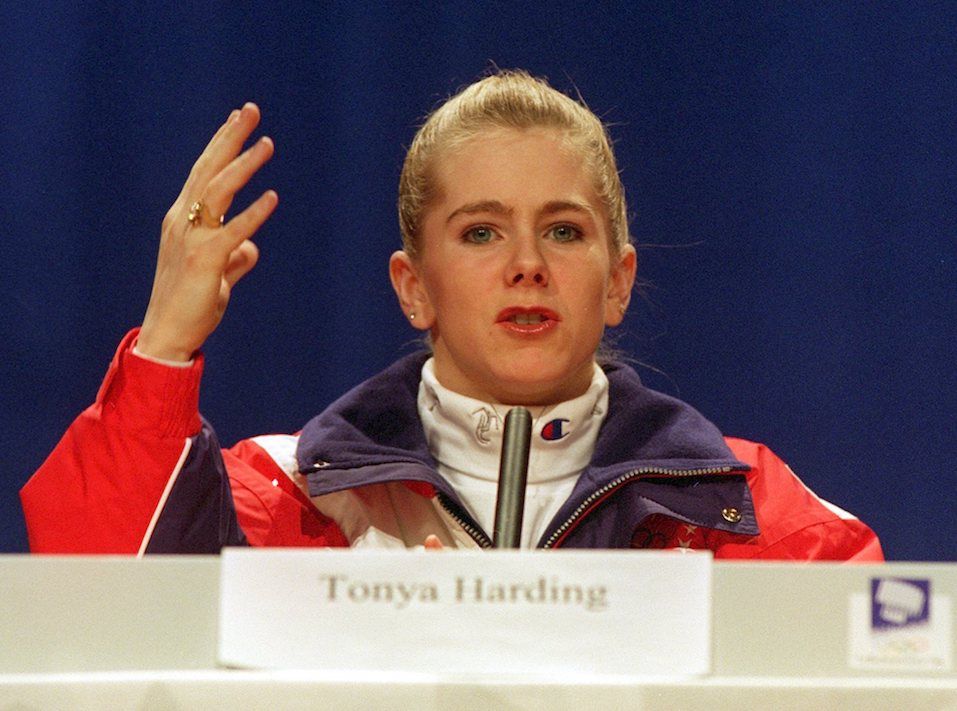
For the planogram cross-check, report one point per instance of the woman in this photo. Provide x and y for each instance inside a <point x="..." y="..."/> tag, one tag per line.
<point x="515" y="257"/>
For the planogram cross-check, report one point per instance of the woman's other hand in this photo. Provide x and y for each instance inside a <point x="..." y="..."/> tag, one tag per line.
<point x="432" y="543"/>
<point x="201" y="259"/>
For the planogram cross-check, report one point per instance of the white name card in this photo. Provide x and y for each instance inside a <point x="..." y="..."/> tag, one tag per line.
<point x="500" y="612"/>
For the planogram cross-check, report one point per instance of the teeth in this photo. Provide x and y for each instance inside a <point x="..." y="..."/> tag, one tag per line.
<point x="526" y="319"/>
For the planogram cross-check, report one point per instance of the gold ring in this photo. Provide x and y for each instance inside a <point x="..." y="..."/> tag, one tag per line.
<point x="196" y="214"/>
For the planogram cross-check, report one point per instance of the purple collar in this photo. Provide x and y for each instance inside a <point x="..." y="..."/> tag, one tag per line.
<point x="373" y="434"/>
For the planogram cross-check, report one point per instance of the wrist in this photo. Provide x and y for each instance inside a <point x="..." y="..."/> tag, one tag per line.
<point x="157" y="350"/>
<point x="168" y="362"/>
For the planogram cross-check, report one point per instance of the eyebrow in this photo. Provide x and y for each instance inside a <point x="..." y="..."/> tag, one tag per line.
<point x="493" y="206"/>
<point x="554" y="206"/>
<point x="499" y="208"/>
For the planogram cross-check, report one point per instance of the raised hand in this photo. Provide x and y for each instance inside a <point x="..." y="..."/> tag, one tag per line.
<point x="201" y="257"/>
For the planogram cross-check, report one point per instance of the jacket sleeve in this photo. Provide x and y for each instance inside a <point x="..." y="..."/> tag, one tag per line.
<point x="795" y="523"/>
<point x="137" y="472"/>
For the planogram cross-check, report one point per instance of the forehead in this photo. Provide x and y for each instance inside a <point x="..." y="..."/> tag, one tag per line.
<point x="531" y="163"/>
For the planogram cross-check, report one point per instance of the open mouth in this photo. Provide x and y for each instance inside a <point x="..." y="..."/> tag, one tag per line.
<point x="528" y="320"/>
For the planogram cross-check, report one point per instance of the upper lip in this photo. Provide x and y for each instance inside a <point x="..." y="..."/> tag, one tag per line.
<point x="506" y="314"/>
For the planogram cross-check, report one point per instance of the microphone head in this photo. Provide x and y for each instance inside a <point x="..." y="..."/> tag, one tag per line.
<point x="518" y="423"/>
<point x="512" y="477"/>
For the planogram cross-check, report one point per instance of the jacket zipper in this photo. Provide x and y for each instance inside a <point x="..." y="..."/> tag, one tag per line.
<point x="585" y="505"/>
<point x="482" y="540"/>
<point x="478" y="536"/>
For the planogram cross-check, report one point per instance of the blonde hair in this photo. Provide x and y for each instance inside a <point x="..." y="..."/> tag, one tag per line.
<point x="507" y="99"/>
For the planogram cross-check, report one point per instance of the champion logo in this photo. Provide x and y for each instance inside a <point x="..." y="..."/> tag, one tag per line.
<point x="554" y="429"/>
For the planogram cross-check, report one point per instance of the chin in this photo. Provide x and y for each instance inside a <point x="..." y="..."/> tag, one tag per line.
<point x="529" y="381"/>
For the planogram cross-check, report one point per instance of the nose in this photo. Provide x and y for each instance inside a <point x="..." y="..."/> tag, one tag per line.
<point x="527" y="266"/>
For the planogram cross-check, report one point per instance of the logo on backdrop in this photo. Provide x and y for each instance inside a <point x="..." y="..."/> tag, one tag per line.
<point x="899" y="602"/>
<point x="554" y="430"/>
<point x="900" y="624"/>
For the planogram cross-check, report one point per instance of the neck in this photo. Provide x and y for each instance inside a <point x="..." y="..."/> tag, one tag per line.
<point x="513" y="386"/>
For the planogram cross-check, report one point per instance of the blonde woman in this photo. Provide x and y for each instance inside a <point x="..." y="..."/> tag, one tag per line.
<point x="516" y="257"/>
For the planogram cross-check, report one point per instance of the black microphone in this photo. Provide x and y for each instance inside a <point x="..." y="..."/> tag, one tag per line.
<point x="512" y="474"/>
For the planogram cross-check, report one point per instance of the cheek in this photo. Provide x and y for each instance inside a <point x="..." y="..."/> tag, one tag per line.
<point x="444" y="290"/>
<point x="586" y="283"/>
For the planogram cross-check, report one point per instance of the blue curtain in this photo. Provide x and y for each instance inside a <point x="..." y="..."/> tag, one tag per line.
<point x="790" y="167"/>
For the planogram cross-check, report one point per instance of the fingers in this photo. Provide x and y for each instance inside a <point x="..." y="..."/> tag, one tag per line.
<point x="244" y="225"/>
<point x="232" y="115"/>
<point x="432" y="543"/>
<point x="241" y="261"/>
<point x="220" y="191"/>
<point x="221" y="150"/>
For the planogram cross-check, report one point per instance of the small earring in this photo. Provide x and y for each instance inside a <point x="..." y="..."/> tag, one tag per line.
<point x="622" y="308"/>
<point x="412" y="315"/>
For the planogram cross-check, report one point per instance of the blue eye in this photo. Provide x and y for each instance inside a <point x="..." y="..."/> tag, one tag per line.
<point x="565" y="233"/>
<point x="479" y="235"/>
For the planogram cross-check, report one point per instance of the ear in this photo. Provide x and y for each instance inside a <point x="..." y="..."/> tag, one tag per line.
<point x="411" y="292"/>
<point x="620" y="285"/>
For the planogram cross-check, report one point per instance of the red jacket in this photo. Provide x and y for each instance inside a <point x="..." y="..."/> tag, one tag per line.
<point x="139" y="471"/>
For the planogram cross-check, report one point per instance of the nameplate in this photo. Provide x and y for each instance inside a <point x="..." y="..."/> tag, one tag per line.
<point x="498" y="612"/>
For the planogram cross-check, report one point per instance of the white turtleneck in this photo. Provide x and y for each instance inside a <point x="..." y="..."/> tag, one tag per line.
<point x="465" y="438"/>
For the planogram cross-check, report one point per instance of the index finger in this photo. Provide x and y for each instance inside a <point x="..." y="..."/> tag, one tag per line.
<point x="222" y="148"/>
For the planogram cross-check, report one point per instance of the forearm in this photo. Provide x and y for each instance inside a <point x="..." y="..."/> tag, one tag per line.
<point x="109" y="483"/>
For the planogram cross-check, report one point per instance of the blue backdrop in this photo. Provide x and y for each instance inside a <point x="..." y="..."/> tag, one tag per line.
<point x="791" y="170"/>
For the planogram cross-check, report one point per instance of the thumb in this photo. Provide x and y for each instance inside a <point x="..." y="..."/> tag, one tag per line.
<point x="241" y="261"/>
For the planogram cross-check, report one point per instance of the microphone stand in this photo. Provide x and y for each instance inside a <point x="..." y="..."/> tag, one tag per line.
<point x="512" y="476"/>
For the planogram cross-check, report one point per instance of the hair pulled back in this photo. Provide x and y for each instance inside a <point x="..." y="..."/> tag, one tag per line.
<point x="508" y="99"/>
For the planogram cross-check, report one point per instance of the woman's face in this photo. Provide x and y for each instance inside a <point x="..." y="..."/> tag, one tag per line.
<point x="515" y="275"/>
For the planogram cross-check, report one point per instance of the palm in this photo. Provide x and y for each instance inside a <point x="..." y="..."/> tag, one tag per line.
<point x="200" y="259"/>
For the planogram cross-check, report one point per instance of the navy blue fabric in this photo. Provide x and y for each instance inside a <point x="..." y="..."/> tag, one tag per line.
<point x="697" y="501"/>
<point x="372" y="434"/>
<point x="374" y="423"/>
<point x="790" y="168"/>
<point x="199" y="515"/>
